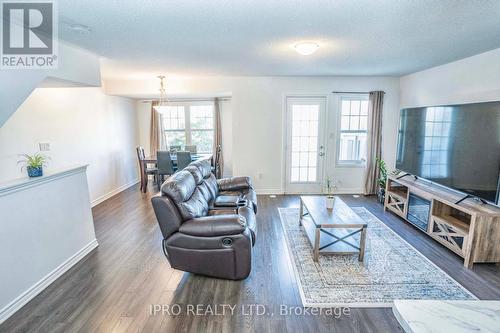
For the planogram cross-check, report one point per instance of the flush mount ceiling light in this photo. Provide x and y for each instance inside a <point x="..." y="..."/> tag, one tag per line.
<point x="306" y="48"/>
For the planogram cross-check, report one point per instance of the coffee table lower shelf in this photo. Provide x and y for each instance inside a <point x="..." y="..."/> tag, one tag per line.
<point x="332" y="240"/>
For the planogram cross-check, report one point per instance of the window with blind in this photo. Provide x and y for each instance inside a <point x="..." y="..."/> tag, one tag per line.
<point x="189" y="123"/>
<point x="353" y="130"/>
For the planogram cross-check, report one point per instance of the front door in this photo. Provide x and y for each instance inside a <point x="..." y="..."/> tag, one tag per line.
<point x="305" y="144"/>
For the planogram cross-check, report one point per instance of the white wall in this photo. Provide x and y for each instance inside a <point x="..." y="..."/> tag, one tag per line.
<point x="83" y="126"/>
<point x="257" y="109"/>
<point x="226" y="115"/>
<point x="143" y="121"/>
<point x="473" y="79"/>
<point x="77" y="67"/>
<point x="258" y="116"/>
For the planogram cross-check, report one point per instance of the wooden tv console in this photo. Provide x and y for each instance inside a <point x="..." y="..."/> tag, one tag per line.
<point x="470" y="229"/>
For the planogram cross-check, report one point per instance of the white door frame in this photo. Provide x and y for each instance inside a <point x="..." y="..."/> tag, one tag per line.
<point x="322" y="134"/>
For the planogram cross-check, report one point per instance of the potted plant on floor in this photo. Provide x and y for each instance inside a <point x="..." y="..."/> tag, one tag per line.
<point x="382" y="179"/>
<point x="34" y="164"/>
<point x="330" y="188"/>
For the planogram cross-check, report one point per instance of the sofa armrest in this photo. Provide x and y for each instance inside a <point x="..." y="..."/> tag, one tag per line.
<point x="210" y="226"/>
<point x="234" y="183"/>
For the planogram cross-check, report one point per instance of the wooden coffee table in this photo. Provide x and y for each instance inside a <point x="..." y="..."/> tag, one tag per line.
<point x="342" y="229"/>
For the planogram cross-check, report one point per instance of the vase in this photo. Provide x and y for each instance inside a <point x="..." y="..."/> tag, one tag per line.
<point x="35" y="171"/>
<point x="329" y="202"/>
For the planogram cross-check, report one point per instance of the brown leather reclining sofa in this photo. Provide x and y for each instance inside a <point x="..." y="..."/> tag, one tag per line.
<point x="208" y="225"/>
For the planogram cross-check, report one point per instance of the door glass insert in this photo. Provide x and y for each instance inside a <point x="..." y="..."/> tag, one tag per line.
<point x="305" y="122"/>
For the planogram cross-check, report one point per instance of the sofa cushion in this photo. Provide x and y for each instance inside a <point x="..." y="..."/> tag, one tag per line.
<point x="204" y="166"/>
<point x="195" y="206"/>
<point x="179" y="187"/>
<point x="234" y="183"/>
<point x="205" y="190"/>
<point x="195" y="171"/>
<point x="227" y="201"/>
<point x="212" y="185"/>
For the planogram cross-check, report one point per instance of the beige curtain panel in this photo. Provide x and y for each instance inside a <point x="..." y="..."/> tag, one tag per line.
<point x="374" y="142"/>
<point x="217" y="149"/>
<point x="156" y="134"/>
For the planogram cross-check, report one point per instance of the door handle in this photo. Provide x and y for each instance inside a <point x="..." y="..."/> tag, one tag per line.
<point x="321" y="151"/>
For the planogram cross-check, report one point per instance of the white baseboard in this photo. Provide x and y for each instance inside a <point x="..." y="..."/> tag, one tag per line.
<point x="338" y="191"/>
<point x="265" y="191"/>
<point x="350" y="191"/>
<point x="106" y="196"/>
<point x="38" y="287"/>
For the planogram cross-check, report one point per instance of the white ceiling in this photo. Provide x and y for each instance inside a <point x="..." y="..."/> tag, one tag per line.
<point x="254" y="37"/>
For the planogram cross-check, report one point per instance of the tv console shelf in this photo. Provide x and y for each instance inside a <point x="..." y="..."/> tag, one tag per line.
<point x="471" y="229"/>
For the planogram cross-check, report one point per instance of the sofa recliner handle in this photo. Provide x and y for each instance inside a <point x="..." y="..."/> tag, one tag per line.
<point x="164" y="248"/>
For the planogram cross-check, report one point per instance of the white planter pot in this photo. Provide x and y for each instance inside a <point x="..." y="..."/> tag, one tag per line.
<point x="329" y="203"/>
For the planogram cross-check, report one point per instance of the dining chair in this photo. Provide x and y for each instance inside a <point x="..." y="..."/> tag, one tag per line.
<point x="183" y="159"/>
<point x="174" y="149"/>
<point x="145" y="171"/>
<point x="190" y="148"/>
<point x="165" y="165"/>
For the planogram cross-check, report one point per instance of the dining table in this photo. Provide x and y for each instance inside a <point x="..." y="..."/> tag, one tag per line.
<point x="153" y="160"/>
<point x="173" y="157"/>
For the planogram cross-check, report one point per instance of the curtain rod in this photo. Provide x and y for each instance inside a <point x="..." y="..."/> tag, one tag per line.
<point x="352" y="92"/>
<point x="189" y="99"/>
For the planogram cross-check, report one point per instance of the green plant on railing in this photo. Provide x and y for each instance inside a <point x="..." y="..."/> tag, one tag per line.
<point x="36" y="160"/>
<point x="34" y="164"/>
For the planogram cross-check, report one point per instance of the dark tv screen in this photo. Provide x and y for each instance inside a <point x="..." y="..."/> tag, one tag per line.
<point x="457" y="146"/>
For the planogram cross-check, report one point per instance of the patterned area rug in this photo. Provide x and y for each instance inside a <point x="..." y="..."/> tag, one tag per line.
<point x="392" y="269"/>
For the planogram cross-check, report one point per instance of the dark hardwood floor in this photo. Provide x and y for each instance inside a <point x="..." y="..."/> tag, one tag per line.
<point x="114" y="287"/>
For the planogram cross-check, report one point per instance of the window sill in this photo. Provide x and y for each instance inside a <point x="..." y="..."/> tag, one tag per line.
<point x="350" y="165"/>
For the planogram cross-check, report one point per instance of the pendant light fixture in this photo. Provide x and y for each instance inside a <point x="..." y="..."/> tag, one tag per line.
<point x="162" y="100"/>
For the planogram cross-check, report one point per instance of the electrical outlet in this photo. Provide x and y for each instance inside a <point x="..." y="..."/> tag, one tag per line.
<point x="44" y="146"/>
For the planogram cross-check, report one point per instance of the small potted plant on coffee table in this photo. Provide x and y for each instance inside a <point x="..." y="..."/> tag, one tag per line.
<point x="330" y="188"/>
<point x="34" y="164"/>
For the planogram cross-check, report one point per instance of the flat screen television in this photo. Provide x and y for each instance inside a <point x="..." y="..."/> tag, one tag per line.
<point x="457" y="146"/>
